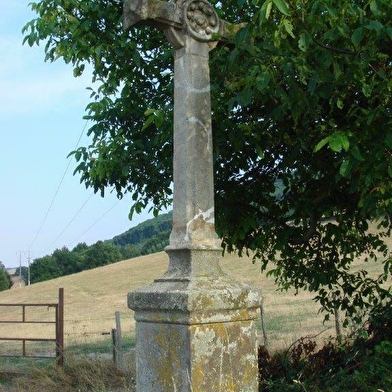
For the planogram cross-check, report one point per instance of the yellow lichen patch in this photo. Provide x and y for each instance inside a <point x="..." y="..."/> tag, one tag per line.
<point x="219" y="352"/>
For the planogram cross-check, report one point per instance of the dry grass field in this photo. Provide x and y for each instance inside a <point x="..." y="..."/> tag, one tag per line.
<point x="92" y="297"/>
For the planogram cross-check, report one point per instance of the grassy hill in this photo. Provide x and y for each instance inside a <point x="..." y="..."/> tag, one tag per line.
<point x="93" y="296"/>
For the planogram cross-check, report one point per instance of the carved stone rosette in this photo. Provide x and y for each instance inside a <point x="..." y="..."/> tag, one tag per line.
<point x="201" y="19"/>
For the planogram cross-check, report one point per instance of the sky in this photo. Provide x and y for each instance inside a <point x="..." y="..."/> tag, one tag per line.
<point x="43" y="206"/>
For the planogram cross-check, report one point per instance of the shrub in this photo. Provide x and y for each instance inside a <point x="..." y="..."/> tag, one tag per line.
<point x="362" y="363"/>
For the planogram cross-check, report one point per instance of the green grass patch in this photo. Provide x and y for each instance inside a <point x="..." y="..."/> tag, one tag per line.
<point x="104" y="346"/>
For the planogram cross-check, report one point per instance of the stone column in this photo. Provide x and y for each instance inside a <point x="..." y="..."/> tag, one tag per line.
<point x="195" y="326"/>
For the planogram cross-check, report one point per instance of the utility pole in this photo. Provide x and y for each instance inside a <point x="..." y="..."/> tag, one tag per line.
<point x="28" y="268"/>
<point x="20" y="269"/>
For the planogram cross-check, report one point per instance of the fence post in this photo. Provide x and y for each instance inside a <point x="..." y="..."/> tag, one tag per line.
<point x="117" y="342"/>
<point x="60" y="329"/>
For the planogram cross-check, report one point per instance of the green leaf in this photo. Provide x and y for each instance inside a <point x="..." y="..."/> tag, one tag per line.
<point x="345" y="142"/>
<point x="313" y="83"/>
<point x="339" y="103"/>
<point x="265" y="10"/>
<point x="338" y="141"/>
<point x="149" y="112"/>
<point x="288" y="27"/>
<point x="357" y="36"/>
<point x="374" y="8"/>
<point x="335" y="144"/>
<point x="322" y="143"/>
<point x="374" y="25"/>
<point x="78" y="155"/>
<point x="357" y="154"/>
<point x="245" y="97"/>
<point x="149" y="121"/>
<point x="78" y="70"/>
<point x="367" y="90"/>
<point x="262" y="81"/>
<point x="304" y="41"/>
<point x="282" y="7"/>
<point x="345" y="168"/>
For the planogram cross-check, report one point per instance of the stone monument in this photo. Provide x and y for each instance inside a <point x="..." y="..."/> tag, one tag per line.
<point x="195" y="326"/>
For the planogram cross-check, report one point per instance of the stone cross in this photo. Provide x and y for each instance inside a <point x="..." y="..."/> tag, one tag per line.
<point x="195" y="326"/>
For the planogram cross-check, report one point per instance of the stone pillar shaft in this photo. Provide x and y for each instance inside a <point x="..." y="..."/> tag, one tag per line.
<point x="193" y="204"/>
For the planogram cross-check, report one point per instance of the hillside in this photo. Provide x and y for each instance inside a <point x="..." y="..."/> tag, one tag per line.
<point x="148" y="237"/>
<point x="145" y="231"/>
<point x="92" y="297"/>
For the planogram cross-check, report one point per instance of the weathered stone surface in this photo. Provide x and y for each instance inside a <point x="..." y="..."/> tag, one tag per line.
<point x="217" y="357"/>
<point x="195" y="326"/>
<point x="196" y="334"/>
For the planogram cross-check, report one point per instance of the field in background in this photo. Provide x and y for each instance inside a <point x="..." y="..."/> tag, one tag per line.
<point x="93" y="296"/>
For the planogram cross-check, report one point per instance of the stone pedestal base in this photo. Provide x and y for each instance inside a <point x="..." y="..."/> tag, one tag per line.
<point x="195" y="331"/>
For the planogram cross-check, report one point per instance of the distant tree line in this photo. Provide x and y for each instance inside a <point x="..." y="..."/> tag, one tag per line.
<point x="148" y="237"/>
<point x="23" y="272"/>
<point x="146" y="231"/>
<point x="5" y="278"/>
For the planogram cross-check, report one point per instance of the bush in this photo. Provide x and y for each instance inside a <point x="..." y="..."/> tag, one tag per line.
<point x="359" y="364"/>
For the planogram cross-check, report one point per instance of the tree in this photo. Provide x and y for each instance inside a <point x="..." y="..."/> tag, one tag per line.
<point x="101" y="253"/>
<point x="5" y="278"/>
<point x="302" y="124"/>
<point x="45" y="268"/>
<point x="23" y="272"/>
<point x="70" y="262"/>
<point x="129" y="251"/>
<point x="80" y="247"/>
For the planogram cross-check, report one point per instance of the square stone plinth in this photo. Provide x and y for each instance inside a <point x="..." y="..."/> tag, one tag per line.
<point x="196" y="333"/>
<point x="219" y="357"/>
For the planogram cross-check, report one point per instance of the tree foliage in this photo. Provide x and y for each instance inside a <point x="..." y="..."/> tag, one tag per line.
<point x="5" y="278"/>
<point x="147" y="237"/>
<point x="302" y="129"/>
<point x="22" y="272"/>
<point x="145" y="230"/>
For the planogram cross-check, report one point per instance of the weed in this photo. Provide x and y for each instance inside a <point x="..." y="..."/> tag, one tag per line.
<point x="79" y="374"/>
<point x="358" y="364"/>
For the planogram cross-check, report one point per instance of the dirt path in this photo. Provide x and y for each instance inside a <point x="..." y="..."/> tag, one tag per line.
<point x="18" y="282"/>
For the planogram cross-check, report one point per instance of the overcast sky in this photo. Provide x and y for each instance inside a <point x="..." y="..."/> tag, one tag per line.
<point x="41" y="120"/>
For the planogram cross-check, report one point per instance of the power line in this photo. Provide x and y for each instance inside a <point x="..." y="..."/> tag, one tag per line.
<point x="57" y="190"/>
<point x="69" y="223"/>
<point x="90" y="227"/>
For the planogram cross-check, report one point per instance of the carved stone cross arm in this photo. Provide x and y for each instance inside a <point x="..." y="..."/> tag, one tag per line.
<point x="198" y="17"/>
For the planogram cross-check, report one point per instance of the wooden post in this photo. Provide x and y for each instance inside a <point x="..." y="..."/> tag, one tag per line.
<point x="117" y="342"/>
<point x="113" y="333"/>
<point x="60" y="329"/>
<point x="118" y="345"/>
